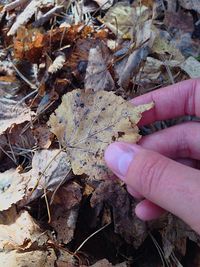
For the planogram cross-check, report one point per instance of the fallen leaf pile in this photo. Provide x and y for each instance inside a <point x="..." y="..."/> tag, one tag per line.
<point x="67" y="71"/>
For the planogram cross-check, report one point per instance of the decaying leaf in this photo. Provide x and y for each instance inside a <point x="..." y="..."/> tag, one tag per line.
<point x="12" y="188"/>
<point x="144" y="40"/>
<point x="85" y="123"/>
<point x="190" y="4"/>
<point x="120" y="19"/>
<point x="65" y="210"/>
<point x="161" y="46"/>
<point x="21" y="233"/>
<point x="174" y="236"/>
<point x="192" y="67"/>
<point x="35" y="258"/>
<point x="98" y="76"/>
<point x="12" y="112"/>
<point x="112" y="194"/>
<point x="50" y="168"/>
<point x="43" y="136"/>
<point x="104" y="4"/>
<point x="28" y="44"/>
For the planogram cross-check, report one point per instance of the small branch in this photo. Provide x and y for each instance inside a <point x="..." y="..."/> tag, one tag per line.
<point x="14" y="5"/>
<point x="89" y="237"/>
<point x="47" y="16"/>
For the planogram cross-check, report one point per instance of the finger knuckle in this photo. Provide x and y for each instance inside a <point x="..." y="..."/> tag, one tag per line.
<point x="152" y="174"/>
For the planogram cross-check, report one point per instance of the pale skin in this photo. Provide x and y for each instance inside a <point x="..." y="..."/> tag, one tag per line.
<point x="162" y="170"/>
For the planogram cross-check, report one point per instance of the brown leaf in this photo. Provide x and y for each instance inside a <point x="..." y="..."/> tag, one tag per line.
<point x="86" y="123"/>
<point x="125" y="221"/>
<point x="65" y="210"/>
<point x="175" y="234"/>
<point x="181" y="20"/>
<point x="28" y="44"/>
<point x="43" y="136"/>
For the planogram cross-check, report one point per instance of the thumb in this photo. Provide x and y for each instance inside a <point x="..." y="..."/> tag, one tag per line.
<point x="167" y="183"/>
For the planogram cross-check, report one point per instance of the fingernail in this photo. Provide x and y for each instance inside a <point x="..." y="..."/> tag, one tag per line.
<point x="118" y="157"/>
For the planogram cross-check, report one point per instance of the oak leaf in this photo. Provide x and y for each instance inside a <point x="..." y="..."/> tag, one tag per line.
<point x="87" y="122"/>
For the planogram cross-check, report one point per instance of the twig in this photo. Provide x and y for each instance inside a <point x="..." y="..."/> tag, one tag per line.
<point x="47" y="16"/>
<point x="23" y="77"/>
<point x="14" y="5"/>
<point x="47" y="204"/>
<point x="91" y="237"/>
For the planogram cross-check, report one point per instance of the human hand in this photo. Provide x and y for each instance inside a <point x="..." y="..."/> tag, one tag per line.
<point x="161" y="169"/>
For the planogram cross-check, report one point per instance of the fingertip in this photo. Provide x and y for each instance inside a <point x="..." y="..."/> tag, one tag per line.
<point x="146" y="210"/>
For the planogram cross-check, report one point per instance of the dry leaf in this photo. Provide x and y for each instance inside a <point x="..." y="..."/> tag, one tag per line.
<point x="12" y="112"/>
<point x="65" y="210"/>
<point x="50" y="169"/>
<point x="25" y="16"/>
<point x="104" y="4"/>
<point x="28" y="44"/>
<point x="144" y="41"/>
<point x="86" y="123"/>
<point x="190" y="4"/>
<point x="98" y="76"/>
<point x="35" y="258"/>
<point x="180" y="20"/>
<point x="161" y="46"/>
<point x="20" y="233"/>
<point x="112" y="194"/>
<point x="12" y="188"/>
<point x="174" y="235"/>
<point x="192" y="67"/>
<point x="14" y="4"/>
<point x="120" y="19"/>
<point x="43" y="136"/>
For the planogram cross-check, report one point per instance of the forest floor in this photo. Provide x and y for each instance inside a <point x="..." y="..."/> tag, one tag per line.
<point x="67" y="69"/>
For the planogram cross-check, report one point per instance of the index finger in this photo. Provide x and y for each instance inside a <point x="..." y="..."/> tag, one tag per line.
<point x="170" y="102"/>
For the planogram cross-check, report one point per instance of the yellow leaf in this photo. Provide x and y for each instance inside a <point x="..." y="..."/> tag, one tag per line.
<point x="86" y="123"/>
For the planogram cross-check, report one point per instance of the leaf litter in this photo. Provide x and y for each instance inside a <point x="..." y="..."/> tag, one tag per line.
<point x="67" y="69"/>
